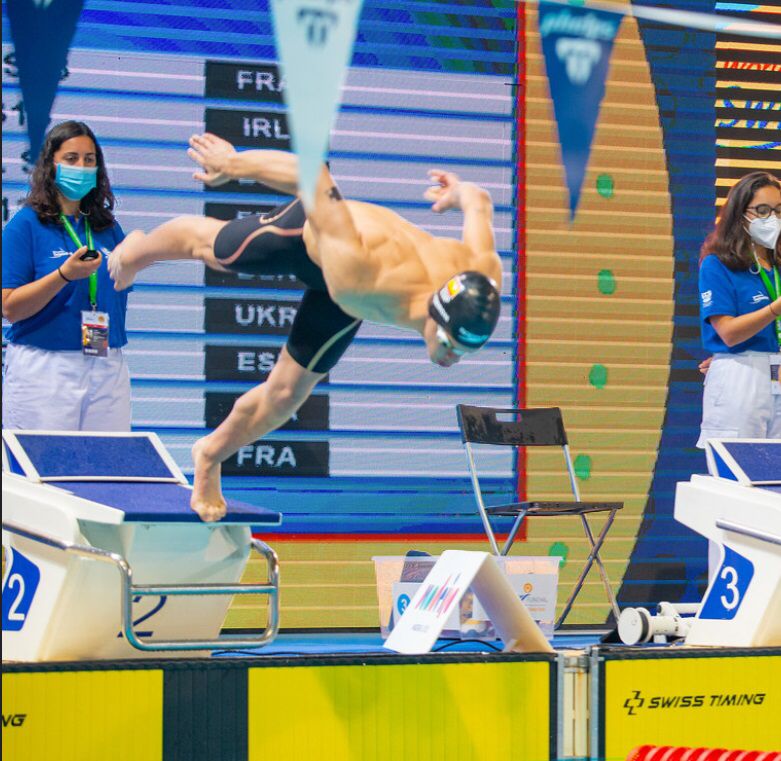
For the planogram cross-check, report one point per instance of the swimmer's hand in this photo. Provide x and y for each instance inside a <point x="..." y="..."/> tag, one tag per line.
<point x="445" y="194"/>
<point x="213" y="154"/>
<point x="704" y="365"/>
<point x="451" y="193"/>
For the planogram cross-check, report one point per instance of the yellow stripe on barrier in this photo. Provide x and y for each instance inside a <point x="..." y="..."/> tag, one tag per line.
<point x="83" y="716"/>
<point x="405" y="711"/>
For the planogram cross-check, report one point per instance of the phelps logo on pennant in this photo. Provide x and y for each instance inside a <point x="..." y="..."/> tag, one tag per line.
<point x="576" y="44"/>
<point x="314" y="42"/>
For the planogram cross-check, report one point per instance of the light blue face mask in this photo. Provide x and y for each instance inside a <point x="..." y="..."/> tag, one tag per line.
<point x="74" y="182"/>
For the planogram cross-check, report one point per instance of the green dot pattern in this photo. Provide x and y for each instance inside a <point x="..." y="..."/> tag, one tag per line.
<point x="560" y="549"/>
<point x="582" y="466"/>
<point x="597" y="377"/>
<point x="606" y="282"/>
<point x="606" y="186"/>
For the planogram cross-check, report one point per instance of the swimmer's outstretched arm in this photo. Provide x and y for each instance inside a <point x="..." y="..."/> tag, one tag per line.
<point x="221" y="162"/>
<point x="346" y="265"/>
<point x="475" y="202"/>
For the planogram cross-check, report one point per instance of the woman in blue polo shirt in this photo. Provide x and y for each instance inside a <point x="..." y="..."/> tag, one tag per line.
<point x="64" y="366"/>
<point x="740" y="310"/>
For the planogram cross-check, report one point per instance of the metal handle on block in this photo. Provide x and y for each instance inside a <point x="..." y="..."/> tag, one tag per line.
<point x="738" y="528"/>
<point x="129" y="591"/>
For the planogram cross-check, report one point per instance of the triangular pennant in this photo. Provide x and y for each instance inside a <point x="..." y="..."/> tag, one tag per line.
<point x="42" y="31"/>
<point x="314" y="45"/>
<point x="576" y="44"/>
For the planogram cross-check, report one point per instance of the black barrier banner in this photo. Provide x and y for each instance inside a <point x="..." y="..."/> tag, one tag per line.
<point x="243" y="186"/>
<point x="258" y="82"/>
<point x="249" y="316"/>
<point x="230" y="211"/>
<point x="251" y="364"/>
<point x="239" y="363"/>
<point x="244" y="280"/>
<point x="280" y="458"/>
<point x="252" y="129"/>
<point x="311" y="416"/>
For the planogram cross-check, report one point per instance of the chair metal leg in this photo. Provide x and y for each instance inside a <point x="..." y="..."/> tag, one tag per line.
<point x="593" y="555"/>
<point x="602" y="570"/>
<point x="489" y="532"/>
<point x="513" y="532"/>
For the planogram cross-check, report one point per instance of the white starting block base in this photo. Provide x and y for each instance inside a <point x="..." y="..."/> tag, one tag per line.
<point x="87" y="580"/>
<point x="738" y="507"/>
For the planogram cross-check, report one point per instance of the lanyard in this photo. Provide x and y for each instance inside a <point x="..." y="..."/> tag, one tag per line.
<point x="93" y="278"/>
<point x="773" y="292"/>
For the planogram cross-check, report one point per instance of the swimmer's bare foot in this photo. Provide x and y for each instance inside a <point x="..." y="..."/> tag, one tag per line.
<point x="206" y="499"/>
<point x="124" y="261"/>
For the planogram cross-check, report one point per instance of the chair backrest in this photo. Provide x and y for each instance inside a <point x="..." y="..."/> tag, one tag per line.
<point x="525" y="428"/>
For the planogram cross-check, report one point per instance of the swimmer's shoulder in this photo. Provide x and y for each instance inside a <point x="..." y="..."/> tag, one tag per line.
<point x="379" y="226"/>
<point x="364" y="212"/>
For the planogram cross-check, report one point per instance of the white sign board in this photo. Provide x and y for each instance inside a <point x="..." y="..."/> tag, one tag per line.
<point x="440" y="594"/>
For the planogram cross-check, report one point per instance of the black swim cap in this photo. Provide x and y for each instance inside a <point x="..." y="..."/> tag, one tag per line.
<point x="467" y="307"/>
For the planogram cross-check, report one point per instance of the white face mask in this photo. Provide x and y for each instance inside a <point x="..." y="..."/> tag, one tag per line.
<point x="765" y="232"/>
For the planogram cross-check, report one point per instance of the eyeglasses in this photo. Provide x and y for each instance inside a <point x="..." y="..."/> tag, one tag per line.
<point x="447" y="342"/>
<point x="764" y="210"/>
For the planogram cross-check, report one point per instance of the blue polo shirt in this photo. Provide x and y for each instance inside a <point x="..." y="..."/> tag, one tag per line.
<point x="723" y="291"/>
<point x="31" y="250"/>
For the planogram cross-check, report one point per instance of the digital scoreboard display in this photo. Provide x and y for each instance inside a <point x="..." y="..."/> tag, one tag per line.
<point x="199" y="338"/>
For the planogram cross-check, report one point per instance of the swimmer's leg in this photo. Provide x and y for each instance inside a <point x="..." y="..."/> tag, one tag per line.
<point x="256" y="413"/>
<point x="188" y="237"/>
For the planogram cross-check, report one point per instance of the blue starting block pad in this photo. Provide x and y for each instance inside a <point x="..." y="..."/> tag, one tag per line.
<point x="158" y="503"/>
<point x="129" y="472"/>
<point x="69" y="457"/>
<point x="738" y="508"/>
<point x="751" y="462"/>
<point x="106" y="559"/>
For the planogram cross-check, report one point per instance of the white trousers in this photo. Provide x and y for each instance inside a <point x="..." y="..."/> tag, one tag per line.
<point x="737" y="402"/>
<point x="65" y="390"/>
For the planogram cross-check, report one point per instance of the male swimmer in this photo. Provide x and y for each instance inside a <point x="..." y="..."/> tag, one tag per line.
<point x="359" y="261"/>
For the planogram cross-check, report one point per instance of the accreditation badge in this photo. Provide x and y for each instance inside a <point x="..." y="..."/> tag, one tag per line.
<point x="775" y="374"/>
<point x="94" y="334"/>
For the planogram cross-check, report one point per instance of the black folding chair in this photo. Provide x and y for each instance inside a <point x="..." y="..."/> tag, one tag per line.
<point x="533" y="428"/>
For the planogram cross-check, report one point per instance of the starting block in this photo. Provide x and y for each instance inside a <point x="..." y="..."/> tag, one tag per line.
<point x="105" y="558"/>
<point x="738" y="506"/>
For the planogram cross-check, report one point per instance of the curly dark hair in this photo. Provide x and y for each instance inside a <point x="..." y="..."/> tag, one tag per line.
<point x="98" y="204"/>
<point x="729" y="240"/>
